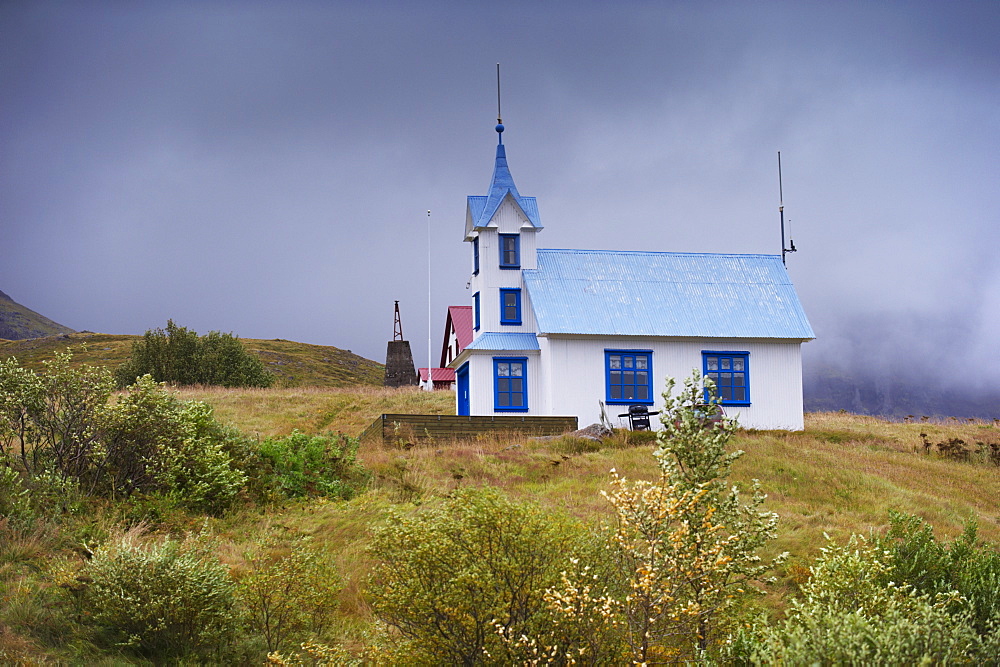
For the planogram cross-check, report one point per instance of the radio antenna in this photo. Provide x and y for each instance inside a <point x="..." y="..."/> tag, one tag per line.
<point x="781" y="212"/>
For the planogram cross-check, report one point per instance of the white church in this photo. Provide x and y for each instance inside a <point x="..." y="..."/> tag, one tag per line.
<point x="565" y="332"/>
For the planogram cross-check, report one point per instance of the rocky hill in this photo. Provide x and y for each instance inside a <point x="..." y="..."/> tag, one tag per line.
<point x="18" y="322"/>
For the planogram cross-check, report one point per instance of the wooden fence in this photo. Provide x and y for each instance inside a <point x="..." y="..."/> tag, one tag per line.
<point x="413" y="429"/>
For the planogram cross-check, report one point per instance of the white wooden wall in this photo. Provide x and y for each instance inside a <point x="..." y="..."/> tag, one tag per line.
<point x="481" y="383"/>
<point x="574" y="377"/>
<point x="491" y="277"/>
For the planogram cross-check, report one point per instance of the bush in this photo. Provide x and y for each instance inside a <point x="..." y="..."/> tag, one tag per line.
<point x="288" y="592"/>
<point x="163" y="599"/>
<point x="849" y="614"/>
<point x="317" y="465"/>
<point x="451" y="581"/>
<point x="966" y="565"/>
<point x="48" y="421"/>
<point x="155" y="442"/>
<point x="61" y="434"/>
<point x="180" y="356"/>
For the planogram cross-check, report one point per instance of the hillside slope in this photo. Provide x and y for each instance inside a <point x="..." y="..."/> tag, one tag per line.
<point x="18" y="322"/>
<point x="295" y="364"/>
<point x="839" y="476"/>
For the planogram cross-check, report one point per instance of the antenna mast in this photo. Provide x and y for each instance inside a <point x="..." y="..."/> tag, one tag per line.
<point x="499" y="119"/>
<point x="781" y="212"/>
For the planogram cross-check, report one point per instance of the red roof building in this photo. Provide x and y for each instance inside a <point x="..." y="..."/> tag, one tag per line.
<point x="457" y="333"/>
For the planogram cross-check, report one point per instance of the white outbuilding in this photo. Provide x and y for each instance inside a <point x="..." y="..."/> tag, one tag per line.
<point x="572" y="332"/>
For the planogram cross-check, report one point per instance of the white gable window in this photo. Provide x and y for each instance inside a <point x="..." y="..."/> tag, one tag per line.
<point x="628" y="375"/>
<point x="510" y="251"/>
<point x="730" y="371"/>
<point x="475" y="311"/>
<point x="475" y="256"/>
<point x="510" y="384"/>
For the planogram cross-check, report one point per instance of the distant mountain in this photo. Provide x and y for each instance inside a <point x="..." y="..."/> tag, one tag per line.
<point x="20" y="323"/>
<point x="829" y="389"/>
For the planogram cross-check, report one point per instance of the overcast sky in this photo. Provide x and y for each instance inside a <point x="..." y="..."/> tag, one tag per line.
<point x="265" y="168"/>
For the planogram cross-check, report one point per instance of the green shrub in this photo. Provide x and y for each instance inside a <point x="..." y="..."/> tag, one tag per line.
<point x="48" y="421"/>
<point x="849" y="614"/>
<point x="313" y="465"/>
<point x="180" y="356"/>
<point x="162" y="599"/>
<point x="289" y="592"/>
<point x="450" y="581"/>
<point x="966" y="565"/>
<point x="154" y="442"/>
<point x="15" y="503"/>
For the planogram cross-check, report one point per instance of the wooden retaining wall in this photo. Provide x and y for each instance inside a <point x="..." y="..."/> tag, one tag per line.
<point x="412" y="429"/>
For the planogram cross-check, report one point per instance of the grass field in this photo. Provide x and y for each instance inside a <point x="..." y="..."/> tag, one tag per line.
<point x="842" y="474"/>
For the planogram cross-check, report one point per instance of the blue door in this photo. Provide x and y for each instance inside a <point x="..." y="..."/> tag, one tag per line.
<point x="462" y="383"/>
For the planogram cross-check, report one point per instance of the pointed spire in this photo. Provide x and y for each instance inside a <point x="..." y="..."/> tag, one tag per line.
<point x="499" y="127"/>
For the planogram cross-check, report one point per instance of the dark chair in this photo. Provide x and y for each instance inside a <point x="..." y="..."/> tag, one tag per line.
<point x="638" y="417"/>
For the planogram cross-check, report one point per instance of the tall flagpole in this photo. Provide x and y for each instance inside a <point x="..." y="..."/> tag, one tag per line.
<point x="430" y="366"/>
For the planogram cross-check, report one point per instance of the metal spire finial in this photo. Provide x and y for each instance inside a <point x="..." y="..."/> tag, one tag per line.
<point x="499" y="127"/>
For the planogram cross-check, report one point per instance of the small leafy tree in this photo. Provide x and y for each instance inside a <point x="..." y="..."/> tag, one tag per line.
<point x="21" y="405"/>
<point x="288" y="592"/>
<point x="180" y="356"/>
<point x="49" y="421"/>
<point x="685" y="549"/>
<point x="718" y="534"/>
<point x="454" y="581"/>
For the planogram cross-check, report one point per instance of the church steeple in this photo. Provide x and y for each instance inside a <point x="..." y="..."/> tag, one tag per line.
<point x="482" y="209"/>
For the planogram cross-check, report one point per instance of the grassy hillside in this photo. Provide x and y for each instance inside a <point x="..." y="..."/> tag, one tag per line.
<point x="840" y="475"/>
<point x="295" y="364"/>
<point x="17" y="322"/>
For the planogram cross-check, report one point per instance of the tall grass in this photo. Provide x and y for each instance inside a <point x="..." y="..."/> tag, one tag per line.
<point x="267" y="412"/>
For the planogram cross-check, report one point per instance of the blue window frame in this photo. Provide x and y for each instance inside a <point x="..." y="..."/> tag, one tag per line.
<point x="510" y="384"/>
<point x="510" y="306"/>
<point x="510" y="251"/>
<point x="731" y="373"/>
<point x="628" y="375"/>
<point x="475" y="311"/>
<point x="475" y="256"/>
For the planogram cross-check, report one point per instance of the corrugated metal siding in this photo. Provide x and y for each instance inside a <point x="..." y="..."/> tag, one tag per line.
<point x="481" y="382"/>
<point x="575" y="377"/>
<point x="664" y="294"/>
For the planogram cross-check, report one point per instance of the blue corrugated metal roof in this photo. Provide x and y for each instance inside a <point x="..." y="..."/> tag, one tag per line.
<point x="483" y="208"/>
<point x="504" y="342"/>
<point x="608" y="292"/>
